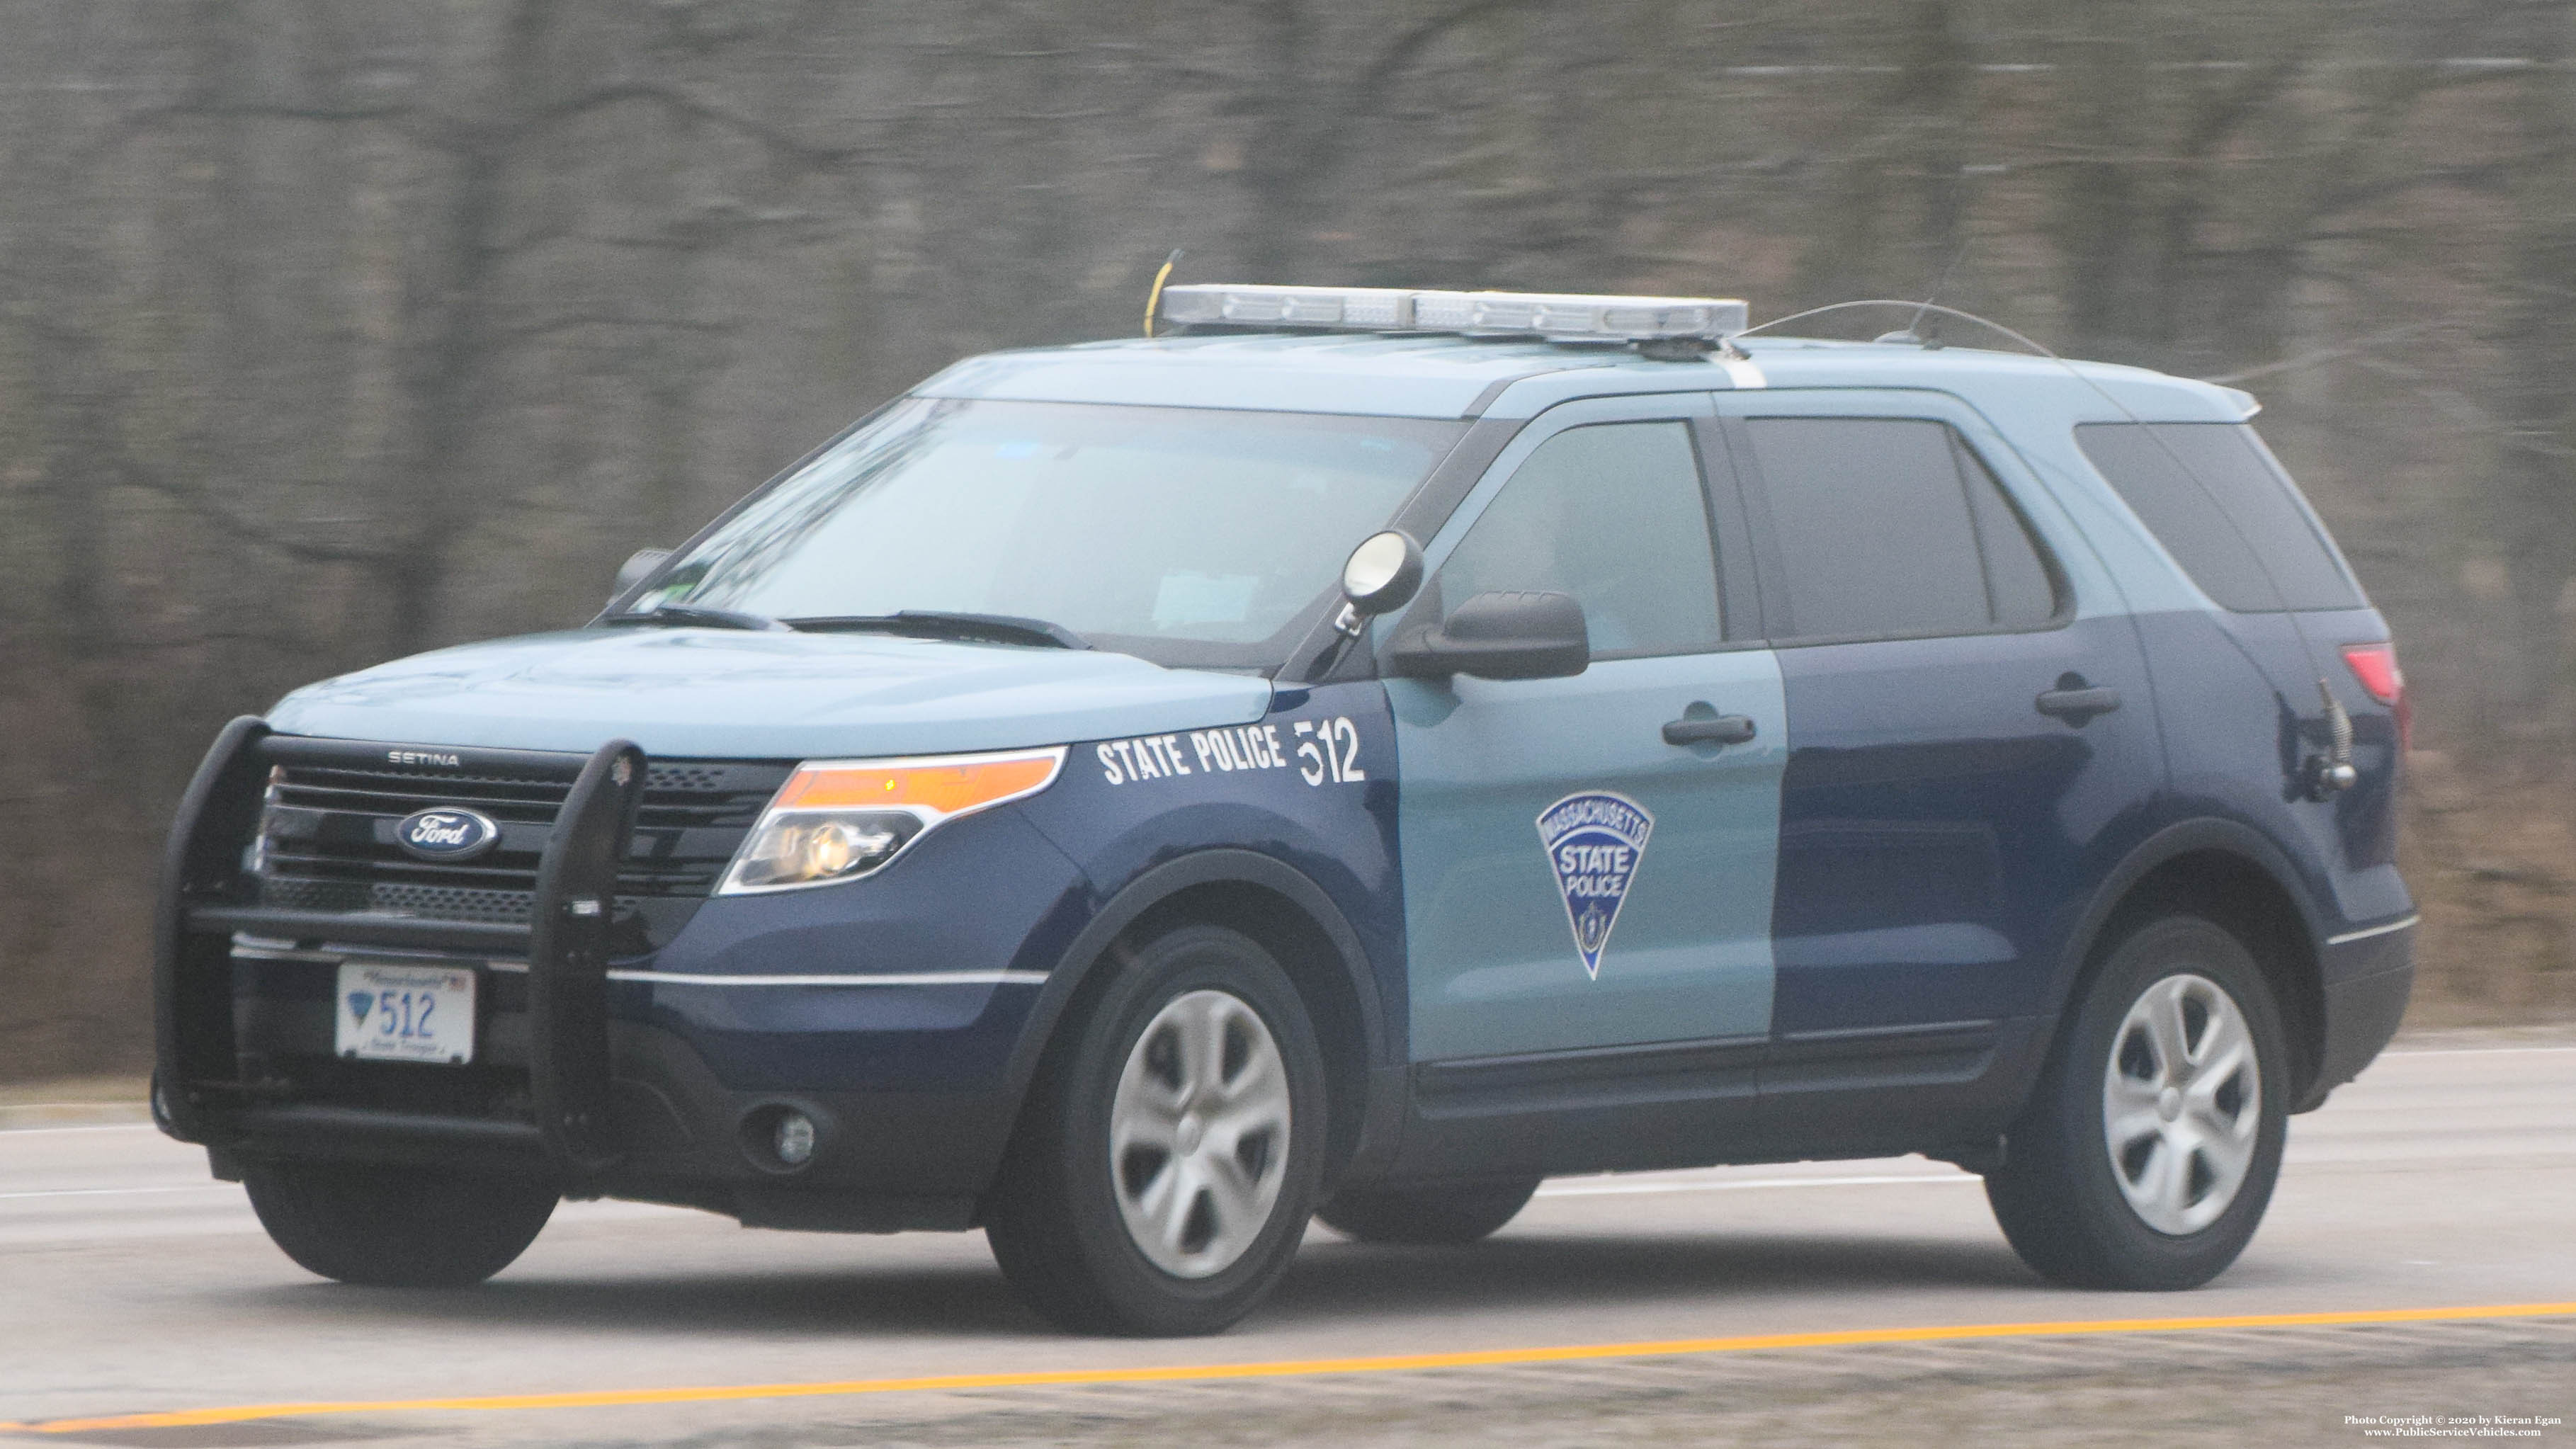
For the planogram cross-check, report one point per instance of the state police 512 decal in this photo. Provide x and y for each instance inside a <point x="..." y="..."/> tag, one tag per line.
<point x="1327" y="751"/>
<point x="1594" y="842"/>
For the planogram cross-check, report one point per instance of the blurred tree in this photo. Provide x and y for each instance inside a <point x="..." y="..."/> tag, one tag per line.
<point x="336" y="329"/>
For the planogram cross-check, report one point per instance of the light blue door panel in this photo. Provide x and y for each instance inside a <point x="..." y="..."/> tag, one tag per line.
<point x="1496" y="966"/>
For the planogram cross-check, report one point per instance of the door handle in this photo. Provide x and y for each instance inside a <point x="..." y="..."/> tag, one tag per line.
<point x="2076" y="702"/>
<point x="1704" y="729"/>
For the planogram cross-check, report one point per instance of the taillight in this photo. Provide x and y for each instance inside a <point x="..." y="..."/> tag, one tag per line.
<point x="2375" y="665"/>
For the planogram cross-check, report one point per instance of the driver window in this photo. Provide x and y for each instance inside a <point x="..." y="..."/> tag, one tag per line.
<point x="1612" y="514"/>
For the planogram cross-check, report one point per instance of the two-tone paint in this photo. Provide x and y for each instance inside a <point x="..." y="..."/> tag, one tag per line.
<point x="1853" y="932"/>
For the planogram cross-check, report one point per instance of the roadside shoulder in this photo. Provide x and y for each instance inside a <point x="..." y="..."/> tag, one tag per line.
<point x="2545" y="1035"/>
<point x="73" y="1102"/>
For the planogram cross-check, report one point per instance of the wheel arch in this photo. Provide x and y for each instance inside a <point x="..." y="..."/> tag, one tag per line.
<point x="2237" y="877"/>
<point x="1298" y="923"/>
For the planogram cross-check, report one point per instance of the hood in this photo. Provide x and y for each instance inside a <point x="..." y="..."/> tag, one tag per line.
<point x="717" y="693"/>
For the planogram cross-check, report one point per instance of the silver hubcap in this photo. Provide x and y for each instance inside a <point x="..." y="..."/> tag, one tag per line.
<point x="2182" y="1099"/>
<point x="1198" y="1133"/>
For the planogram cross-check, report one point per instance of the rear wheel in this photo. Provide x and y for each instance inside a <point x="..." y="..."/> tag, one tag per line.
<point x="1167" y="1162"/>
<point x="397" y="1227"/>
<point x="2148" y="1154"/>
<point x="1428" y="1213"/>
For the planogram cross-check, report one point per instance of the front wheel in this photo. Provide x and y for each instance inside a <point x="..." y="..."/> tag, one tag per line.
<point x="397" y="1227"/>
<point x="1164" y="1169"/>
<point x="2149" y="1151"/>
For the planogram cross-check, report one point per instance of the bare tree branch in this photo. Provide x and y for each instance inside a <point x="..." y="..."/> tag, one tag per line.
<point x="679" y="100"/>
<point x="574" y="322"/>
<point x="134" y="474"/>
<point x="2334" y="353"/>
<point x="1369" y="86"/>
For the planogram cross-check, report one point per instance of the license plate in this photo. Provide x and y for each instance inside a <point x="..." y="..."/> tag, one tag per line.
<point x="397" y="1013"/>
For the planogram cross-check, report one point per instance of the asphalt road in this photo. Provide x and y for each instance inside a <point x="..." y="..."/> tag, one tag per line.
<point x="2446" y="1177"/>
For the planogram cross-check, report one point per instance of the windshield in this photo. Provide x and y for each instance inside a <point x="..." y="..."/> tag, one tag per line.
<point x="1189" y="536"/>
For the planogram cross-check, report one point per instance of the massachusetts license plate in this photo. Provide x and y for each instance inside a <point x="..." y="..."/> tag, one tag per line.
<point x="395" y="1013"/>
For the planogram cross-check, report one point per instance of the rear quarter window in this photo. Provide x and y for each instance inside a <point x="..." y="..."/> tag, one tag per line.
<point x="2213" y="496"/>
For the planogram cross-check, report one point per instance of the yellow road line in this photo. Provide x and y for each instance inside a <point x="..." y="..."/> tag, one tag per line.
<point x="1288" y="1368"/>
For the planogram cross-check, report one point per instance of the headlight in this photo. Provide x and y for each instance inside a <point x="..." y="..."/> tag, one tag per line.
<point x="838" y="820"/>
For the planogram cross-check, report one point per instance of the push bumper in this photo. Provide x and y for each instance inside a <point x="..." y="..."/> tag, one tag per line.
<point x="200" y="1092"/>
<point x="614" y="1078"/>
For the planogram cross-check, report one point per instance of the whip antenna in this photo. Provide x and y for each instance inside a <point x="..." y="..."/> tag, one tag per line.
<point x="1154" y="298"/>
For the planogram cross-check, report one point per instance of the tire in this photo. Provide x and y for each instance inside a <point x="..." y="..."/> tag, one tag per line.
<point x="2148" y="1153"/>
<point x="1439" y="1213"/>
<point x="397" y="1227"/>
<point x="1123" y="1205"/>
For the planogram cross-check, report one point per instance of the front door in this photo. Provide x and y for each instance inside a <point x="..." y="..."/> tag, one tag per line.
<point x="1572" y="880"/>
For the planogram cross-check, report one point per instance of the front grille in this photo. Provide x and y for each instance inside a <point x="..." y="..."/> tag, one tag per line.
<point x="395" y="898"/>
<point x="327" y="839"/>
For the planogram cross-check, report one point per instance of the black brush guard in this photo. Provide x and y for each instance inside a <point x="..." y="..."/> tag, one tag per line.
<point x="197" y="1092"/>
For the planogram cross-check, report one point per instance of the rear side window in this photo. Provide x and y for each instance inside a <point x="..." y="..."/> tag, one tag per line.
<point x="2214" y="498"/>
<point x="1892" y="526"/>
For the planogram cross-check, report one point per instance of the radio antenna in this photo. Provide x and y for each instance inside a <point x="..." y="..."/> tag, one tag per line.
<point x="1939" y="284"/>
<point x="1914" y="325"/>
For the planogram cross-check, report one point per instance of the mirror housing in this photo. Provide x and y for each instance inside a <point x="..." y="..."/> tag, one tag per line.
<point x="1382" y="575"/>
<point x="1500" y="635"/>
<point x="638" y="567"/>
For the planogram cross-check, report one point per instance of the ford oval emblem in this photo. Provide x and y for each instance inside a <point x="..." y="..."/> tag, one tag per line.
<point x="447" y="833"/>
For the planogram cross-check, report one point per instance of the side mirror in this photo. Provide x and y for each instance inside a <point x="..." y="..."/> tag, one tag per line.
<point x="638" y="567"/>
<point x="1501" y="635"/>
<point x="1382" y="575"/>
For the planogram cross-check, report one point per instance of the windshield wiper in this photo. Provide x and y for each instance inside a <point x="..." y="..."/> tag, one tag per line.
<point x="690" y="616"/>
<point x="942" y="624"/>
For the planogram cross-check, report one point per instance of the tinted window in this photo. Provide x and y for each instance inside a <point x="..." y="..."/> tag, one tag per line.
<point x="2018" y="588"/>
<point x="2212" y="495"/>
<point x="1892" y="526"/>
<point x="1613" y="515"/>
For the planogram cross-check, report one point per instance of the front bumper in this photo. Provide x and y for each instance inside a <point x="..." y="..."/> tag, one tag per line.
<point x="688" y="1113"/>
<point x="654" y="1078"/>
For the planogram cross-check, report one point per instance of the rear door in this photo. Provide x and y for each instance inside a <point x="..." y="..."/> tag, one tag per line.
<point x="1971" y="741"/>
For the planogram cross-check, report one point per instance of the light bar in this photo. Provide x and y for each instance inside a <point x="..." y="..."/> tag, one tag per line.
<point x="1568" y="317"/>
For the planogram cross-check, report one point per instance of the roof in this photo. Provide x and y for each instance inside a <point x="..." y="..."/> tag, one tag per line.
<point x="1443" y="376"/>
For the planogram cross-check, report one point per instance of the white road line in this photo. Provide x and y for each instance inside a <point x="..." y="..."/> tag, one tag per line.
<point x="1623" y="1189"/>
<point x="7" y="1132"/>
<point x="1576" y="1189"/>
<point x="118" y="1191"/>
<point x="2475" y="1051"/>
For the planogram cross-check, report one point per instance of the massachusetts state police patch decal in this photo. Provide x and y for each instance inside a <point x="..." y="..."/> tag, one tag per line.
<point x="1594" y="842"/>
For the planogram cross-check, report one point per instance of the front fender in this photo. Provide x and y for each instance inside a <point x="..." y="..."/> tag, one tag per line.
<point x="1090" y="953"/>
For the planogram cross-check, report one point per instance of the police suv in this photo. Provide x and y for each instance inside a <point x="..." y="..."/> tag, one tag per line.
<point x="1357" y="754"/>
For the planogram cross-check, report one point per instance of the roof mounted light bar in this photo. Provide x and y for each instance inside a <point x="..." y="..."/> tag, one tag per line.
<point x="1557" y="317"/>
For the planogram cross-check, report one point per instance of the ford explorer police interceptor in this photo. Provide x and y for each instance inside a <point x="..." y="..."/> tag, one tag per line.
<point x="1357" y="754"/>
